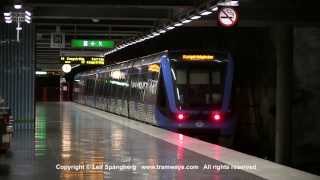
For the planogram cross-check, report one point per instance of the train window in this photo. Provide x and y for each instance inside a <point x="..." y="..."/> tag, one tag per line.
<point x="198" y="84"/>
<point x="215" y="78"/>
<point x="124" y="85"/>
<point x="198" y="77"/>
<point x="152" y="75"/>
<point x="136" y="83"/>
<point x="181" y="76"/>
<point x="97" y="88"/>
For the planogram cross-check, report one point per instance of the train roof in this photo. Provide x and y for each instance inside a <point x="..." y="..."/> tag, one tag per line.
<point x="155" y="57"/>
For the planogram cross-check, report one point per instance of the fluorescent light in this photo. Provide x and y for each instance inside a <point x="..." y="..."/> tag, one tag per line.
<point x="170" y="27"/>
<point x="140" y="40"/>
<point x="7" y="14"/>
<point x="17" y="6"/>
<point x="214" y="8"/>
<point x="195" y="17"/>
<point x="162" y="31"/>
<point x="178" y="24"/>
<point x="155" y="34"/>
<point x="7" y="18"/>
<point x="41" y="73"/>
<point x="205" y="12"/>
<point x="185" y="21"/>
<point x="27" y="17"/>
<point x="27" y="21"/>
<point x="28" y="13"/>
<point x="229" y="3"/>
<point x="19" y="28"/>
<point x="8" y="21"/>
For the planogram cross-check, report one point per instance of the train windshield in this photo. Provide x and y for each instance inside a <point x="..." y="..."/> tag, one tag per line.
<point x="199" y="85"/>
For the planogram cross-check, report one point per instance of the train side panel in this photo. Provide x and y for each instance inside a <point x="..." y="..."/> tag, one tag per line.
<point x="144" y="77"/>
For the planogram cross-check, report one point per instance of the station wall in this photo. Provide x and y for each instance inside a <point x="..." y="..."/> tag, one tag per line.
<point x="17" y="73"/>
<point x="306" y="98"/>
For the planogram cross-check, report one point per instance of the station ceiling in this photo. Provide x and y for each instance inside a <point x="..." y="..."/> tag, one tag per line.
<point x="113" y="20"/>
<point x="126" y="19"/>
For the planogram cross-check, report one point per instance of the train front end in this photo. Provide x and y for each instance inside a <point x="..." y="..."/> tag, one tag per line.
<point x="199" y="87"/>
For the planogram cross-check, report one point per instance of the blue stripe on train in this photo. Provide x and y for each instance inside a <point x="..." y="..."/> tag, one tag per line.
<point x="167" y="77"/>
<point x="228" y="85"/>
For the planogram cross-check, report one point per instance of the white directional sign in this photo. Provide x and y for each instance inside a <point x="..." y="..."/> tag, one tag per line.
<point x="227" y="16"/>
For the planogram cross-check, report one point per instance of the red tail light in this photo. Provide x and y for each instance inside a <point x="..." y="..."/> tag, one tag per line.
<point x="216" y="116"/>
<point x="180" y="116"/>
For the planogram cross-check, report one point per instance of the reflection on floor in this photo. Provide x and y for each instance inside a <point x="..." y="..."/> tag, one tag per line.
<point x="72" y="144"/>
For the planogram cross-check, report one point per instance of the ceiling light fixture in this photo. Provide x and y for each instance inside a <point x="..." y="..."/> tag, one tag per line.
<point x="17" y="15"/>
<point x="205" y="13"/>
<point x="17" y="6"/>
<point x="170" y="27"/>
<point x="155" y="34"/>
<point x="27" y="17"/>
<point x="214" y="8"/>
<point x="95" y="20"/>
<point x="195" y="17"/>
<point x="229" y="3"/>
<point x="178" y="24"/>
<point x="162" y="31"/>
<point x="7" y="14"/>
<point x="28" y="13"/>
<point x="185" y="21"/>
<point x="41" y="73"/>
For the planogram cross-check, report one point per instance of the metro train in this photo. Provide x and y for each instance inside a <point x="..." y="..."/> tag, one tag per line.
<point x="175" y="90"/>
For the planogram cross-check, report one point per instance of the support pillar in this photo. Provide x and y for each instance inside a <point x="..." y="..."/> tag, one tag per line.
<point x="283" y="41"/>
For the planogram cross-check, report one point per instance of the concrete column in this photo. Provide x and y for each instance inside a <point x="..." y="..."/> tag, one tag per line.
<point x="283" y="41"/>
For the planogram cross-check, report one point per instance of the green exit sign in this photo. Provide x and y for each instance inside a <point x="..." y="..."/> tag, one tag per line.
<point x="82" y="43"/>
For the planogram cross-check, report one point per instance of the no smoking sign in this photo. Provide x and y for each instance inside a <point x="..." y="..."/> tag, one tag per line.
<point x="227" y="16"/>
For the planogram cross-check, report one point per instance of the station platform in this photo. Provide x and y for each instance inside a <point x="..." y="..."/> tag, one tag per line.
<point x="72" y="141"/>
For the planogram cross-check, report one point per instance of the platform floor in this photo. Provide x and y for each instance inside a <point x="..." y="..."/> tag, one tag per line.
<point x="66" y="136"/>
